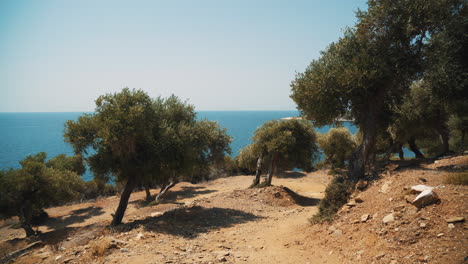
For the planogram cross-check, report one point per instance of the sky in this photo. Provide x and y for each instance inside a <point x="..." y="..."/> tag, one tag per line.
<point x="59" y="56"/>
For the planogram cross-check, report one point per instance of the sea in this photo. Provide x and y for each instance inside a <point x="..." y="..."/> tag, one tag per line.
<point x="23" y="134"/>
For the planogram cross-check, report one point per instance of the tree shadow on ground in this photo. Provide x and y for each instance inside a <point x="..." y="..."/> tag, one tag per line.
<point x="301" y="200"/>
<point x="75" y="216"/>
<point x="291" y="174"/>
<point x="172" y="196"/>
<point x="189" y="222"/>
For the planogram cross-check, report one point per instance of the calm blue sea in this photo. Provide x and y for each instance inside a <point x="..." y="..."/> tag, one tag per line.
<point x="23" y="134"/>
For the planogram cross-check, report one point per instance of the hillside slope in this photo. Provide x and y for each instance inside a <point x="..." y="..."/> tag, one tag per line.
<point x="223" y="221"/>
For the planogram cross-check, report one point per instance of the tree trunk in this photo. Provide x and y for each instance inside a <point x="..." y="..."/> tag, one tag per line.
<point x="25" y="215"/>
<point x="164" y="190"/>
<point x="119" y="213"/>
<point x="400" y="152"/>
<point x="258" y="173"/>
<point x="444" y="134"/>
<point x="463" y="138"/>
<point x="148" y="193"/>
<point x="362" y="156"/>
<point x="271" y="169"/>
<point x="413" y="147"/>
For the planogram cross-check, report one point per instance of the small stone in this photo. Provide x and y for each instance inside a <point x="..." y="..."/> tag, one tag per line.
<point x="422" y="179"/>
<point x="379" y="256"/>
<point x="222" y="259"/>
<point x="440" y="234"/>
<point x="338" y="232"/>
<point x="393" y="262"/>
<point x="361" y="184"/>
<point x="358" y="200"/>
<point x="351" y="204"/>
<point x="422" y="225"/>
<point x="385" y="187"/>
<point x="451" y="226"/>
<point x="388" y="219"/>
<point x="364" y="217"/>
<point x="455" y="219"/>
<point x="140" y="236"/>
<point x="58" y="258"/>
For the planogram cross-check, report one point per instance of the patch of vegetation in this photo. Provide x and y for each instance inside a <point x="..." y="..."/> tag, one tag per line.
<point x="457" y="178"/>
<point x="336" y="195"/>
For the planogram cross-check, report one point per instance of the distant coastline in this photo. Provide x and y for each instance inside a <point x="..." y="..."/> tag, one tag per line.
<point x="300" y="118"/>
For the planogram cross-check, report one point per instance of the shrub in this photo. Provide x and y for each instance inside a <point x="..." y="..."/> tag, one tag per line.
<point x="336" y="195"/>
<point x="338" y="145"/>
<point x="457" y="178"/>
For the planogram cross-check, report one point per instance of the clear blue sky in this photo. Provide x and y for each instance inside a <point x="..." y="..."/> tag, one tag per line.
<point x="220" y="55"/>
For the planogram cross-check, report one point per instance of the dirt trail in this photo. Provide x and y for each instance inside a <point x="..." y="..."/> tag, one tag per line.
<point x="217" y="221"/>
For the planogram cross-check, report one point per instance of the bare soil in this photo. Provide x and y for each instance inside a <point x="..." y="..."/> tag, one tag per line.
<point x="224" y="221"/>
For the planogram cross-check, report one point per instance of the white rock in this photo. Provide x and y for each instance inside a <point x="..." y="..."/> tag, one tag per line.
<point x="451" y="226"/>
<point x="420" y="188"/>
<point x="58" y="258"/>
<point x="426" y="197"/>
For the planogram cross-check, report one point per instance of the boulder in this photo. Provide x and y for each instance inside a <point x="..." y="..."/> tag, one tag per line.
<point x="425" y="198"/>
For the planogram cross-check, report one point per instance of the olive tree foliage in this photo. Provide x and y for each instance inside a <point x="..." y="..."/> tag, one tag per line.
<point x="37" y="184"/>
<point x="282" y="144"/>
<point x="369" y="70"/>
<point x="337" y="144"/>
<point x="140" y="140"/>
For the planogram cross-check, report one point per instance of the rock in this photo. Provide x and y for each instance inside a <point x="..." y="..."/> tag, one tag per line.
<point x="140" y="236"/>
<point x="331" y="228"/>
<point x="119" y="242"/>
<point x="222" y="259"/>
<point x="440" y="234"/>
<point x="455" y="219"/>
<point x="422" y="179"/>
<point x="364" y="217"/>
<point x="156" y="214"/>
<point x="451" y="226"/>
<point x="426" y="197"/>
<point x="379" y="256"/>
<point x="388" y="219"/>
<point x="385" y="187"/>
<point x="420" y="188"/>
<point x="338" y="232"/>
<point x="58" y="257"/>
<point x="124" y="250"/>
<point x="351" y="204"/>
<point x="358" y="200"/>
<point x="422" y="225"/>
<point x="361" y="184"/>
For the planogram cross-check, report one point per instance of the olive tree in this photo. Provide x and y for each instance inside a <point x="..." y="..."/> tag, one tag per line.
<point x="26" y="191"/>
<point x="369" y="70"/>
<point x="283" y="144"/>
<point x="123" y="132"/>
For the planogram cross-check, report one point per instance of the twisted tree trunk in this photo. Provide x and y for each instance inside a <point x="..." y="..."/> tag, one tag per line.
<point x="166" y="187"/>
<point x="148" y="193"/>
<point x="413" y="147"/>
<point x="272" y="169"/>
<point x="362" y="156"/>
<point x="258" y="173"/>
<point x="119" y="213"/>
<point x="25" y="215"/>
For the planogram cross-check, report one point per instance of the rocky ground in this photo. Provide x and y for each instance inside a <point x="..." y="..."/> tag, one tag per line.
<point x="223" y="221"/>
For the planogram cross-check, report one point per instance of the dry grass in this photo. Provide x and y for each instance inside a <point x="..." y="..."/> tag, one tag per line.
<point x="457" y="178"/>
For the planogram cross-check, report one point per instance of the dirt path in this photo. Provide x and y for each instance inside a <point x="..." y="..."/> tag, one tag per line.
<point x="218" y="221"/>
